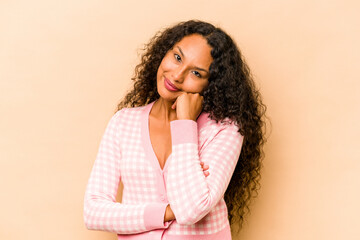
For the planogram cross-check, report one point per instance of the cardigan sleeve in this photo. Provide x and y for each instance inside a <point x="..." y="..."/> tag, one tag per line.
<point x="191" y="194"/>
<point x="101" y="211"/>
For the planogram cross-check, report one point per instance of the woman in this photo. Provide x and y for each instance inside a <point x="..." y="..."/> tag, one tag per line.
<point x="176" y="139"/>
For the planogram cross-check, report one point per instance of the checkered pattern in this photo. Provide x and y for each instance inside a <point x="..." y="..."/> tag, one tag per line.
<point x="101" y="211"/>
<point x="197" y="201"/>
<point x="192" y="195"/>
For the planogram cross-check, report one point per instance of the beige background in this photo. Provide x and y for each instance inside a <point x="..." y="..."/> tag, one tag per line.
<point x="64" y="65"/>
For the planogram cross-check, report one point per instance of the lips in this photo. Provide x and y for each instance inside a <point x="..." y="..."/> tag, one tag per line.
<point x="169" y="86"/>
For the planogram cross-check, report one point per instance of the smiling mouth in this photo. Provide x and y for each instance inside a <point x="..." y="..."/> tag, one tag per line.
<point x="169" y="86"/>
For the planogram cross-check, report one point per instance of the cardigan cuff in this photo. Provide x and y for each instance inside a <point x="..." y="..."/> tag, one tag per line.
<point x="154" y="216"/>
<point x="184" y="131"/>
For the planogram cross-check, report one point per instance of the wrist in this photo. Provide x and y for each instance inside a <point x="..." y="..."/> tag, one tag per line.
<point x="185" y="118"/>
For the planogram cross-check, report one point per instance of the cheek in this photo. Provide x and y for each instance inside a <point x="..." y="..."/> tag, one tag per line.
<point x="195" y="85"/>
<point x="204" y="85"/>
<point x="161" y="68"/>
<point x="167" y="63"/>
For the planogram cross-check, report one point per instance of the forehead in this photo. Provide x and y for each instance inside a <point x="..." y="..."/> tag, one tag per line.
<point x="195" y="48"/>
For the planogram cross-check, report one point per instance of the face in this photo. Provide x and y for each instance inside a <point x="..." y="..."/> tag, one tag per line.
<point x="184" y="68"/>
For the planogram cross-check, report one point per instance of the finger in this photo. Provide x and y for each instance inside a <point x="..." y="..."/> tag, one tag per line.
<point x="174" y="105"/>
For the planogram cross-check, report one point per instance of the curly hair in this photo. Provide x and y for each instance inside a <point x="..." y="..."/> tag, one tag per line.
<point x="231" y="93"/>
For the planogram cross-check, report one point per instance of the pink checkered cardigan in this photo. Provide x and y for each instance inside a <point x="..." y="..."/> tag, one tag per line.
<point x="126" y="154"/>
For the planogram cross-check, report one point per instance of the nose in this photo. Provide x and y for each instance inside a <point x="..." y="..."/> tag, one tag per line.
<point x="178" y="74"/>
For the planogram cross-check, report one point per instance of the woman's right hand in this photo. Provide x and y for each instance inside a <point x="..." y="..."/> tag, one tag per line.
<point x="204" y="167"/>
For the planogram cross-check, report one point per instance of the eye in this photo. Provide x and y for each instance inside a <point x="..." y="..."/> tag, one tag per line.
<point x="196" y="73"/>
<point x="177" y="57"/>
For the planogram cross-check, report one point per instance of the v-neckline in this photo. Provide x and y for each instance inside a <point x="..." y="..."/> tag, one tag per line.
<point x="149" y="150"/>
<point x="145" y="136"/>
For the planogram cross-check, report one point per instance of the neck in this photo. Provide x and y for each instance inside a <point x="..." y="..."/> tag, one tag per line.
<point x="162" y="110"/>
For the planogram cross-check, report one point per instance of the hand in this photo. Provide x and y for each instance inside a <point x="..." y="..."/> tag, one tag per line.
<point x="169" y="215"/>
<point x="188" y="106"/>
<point x="205" y="167"/>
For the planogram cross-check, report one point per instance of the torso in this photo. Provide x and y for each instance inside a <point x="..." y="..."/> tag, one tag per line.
<point x="160" y="138"/>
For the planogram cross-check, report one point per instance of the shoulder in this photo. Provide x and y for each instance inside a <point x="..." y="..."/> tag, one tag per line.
<point x="206" y="123"/>
<point x="209" y="129"/>
<point x="130" y="113"/>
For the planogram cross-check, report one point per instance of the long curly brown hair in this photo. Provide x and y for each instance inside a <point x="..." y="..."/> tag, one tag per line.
<point x="231" y="93"/>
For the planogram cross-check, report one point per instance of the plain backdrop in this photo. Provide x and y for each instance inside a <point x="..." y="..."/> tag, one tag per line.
<point x="64" y="66"/>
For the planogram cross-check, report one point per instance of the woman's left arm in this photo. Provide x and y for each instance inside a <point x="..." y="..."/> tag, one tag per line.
<point x="191" y="194"/>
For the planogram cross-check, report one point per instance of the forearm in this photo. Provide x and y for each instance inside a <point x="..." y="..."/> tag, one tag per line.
<point x="191" y="194"/>
<point x="103" y="213"/>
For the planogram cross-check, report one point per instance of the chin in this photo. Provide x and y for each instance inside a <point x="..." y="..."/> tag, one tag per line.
<point x="166" y="95"/>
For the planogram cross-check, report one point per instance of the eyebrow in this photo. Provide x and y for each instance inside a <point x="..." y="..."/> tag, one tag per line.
<point x="197" y="68"/>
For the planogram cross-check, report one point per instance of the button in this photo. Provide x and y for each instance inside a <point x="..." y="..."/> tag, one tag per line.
<point x="162" y="197"/>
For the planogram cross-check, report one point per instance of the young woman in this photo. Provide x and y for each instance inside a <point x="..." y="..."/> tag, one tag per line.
<point x="186" y="142"/>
